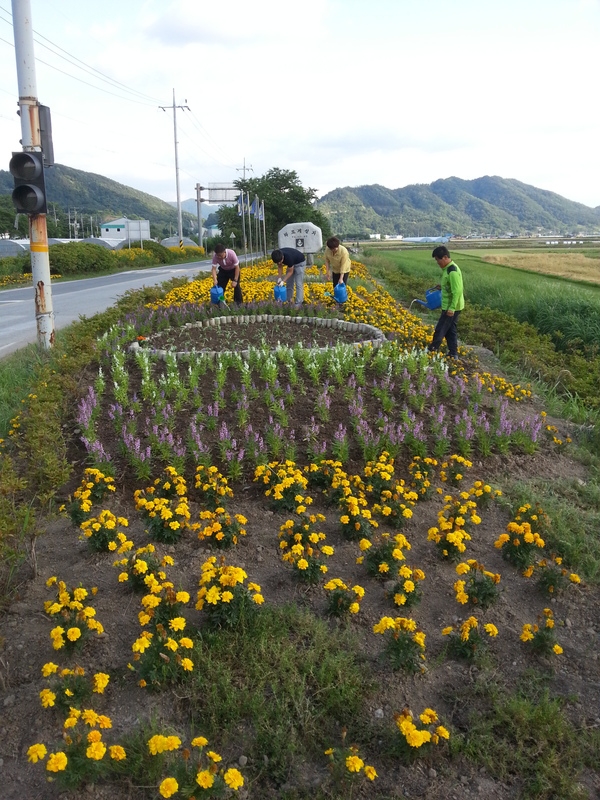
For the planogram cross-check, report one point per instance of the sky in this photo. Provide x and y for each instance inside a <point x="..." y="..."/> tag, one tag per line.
<point x="344" y="92"/>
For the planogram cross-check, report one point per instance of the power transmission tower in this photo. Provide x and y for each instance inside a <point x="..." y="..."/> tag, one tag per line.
<point x="179" y="220"/>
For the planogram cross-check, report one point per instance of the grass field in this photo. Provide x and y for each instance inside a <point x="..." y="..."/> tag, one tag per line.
<point x="566" y="309"/>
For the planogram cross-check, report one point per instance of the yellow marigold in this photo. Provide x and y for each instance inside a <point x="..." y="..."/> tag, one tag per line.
<point x="96" y="751"/>
<point x="101" y="680"/>
<point x="117" y="753"/>
<point x="370" y="772"/>
<point x="57" y="762"/>
<point x="36" y="753"/>
<point x="168" y="787"/>
<point x="354" y="764"/>
<point x="205" y="779"/>
<point x="47" y="697"/>
<point x="233" y="778"/>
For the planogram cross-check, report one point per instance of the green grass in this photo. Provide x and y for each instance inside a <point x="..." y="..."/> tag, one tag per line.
<point x="17" y="375"/>
<point x="574" y="509"/>
<point x="571" y="368"/>
<point x="568" y="311"/>
<point x="526" y="734"/>
<point x="286" y="682"/>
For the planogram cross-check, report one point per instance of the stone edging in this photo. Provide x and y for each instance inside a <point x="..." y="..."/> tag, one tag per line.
<point x="378" y="337"/>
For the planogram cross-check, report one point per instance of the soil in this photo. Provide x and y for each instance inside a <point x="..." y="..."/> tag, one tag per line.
<point x="280" y="331"/>
<point x="448" y="686"/>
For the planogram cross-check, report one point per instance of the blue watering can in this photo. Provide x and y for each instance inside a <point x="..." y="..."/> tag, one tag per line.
<point x="216" y="295"/>
<point x="280" y="293"/>
<point x="340" y="293"/>
<point x="433" y="299"/>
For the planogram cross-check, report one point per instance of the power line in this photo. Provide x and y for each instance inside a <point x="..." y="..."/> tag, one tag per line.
<point x="89" y="69"/>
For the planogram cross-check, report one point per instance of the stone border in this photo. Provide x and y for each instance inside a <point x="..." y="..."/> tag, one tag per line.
<point x="378" y="337"/>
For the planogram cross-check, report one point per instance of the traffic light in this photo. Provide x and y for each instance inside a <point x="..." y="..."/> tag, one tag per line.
<point x="29" y="194"/>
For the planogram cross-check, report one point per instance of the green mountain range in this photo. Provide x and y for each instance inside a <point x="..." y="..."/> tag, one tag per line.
<point x="488" y="205"/>
<point x="89" y="193"/>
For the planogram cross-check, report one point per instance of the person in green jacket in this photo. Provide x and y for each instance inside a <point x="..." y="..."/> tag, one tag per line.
<point x="453" y="302"/>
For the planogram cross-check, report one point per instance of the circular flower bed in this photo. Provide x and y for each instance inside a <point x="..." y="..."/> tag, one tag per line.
<point x="265" y="331"/>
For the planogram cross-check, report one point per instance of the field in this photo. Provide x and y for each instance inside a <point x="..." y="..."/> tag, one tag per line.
<point x="358" y="572"/>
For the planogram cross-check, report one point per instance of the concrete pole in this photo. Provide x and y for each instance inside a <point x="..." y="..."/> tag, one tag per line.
<point x="199" y="202"/>
<point x="31" y="141"/>
<point x="179" y="221"/>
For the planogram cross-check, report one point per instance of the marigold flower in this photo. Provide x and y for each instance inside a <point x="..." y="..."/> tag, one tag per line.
<point x="205" y="779"/>
<point x="117" y="753"/>
<point x="47" y="697"/>
<point x="57" y="762"/>
<point x="101" y="680"/>
<point x="370" y="772"/>
<point x="36" y="753"/>
<point x="354" y="764"/>
<point x="168" y="787"/>
<point x="96" y="751"/>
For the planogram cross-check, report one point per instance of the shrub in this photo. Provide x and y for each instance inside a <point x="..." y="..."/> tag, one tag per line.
<point x="77" y="257"/>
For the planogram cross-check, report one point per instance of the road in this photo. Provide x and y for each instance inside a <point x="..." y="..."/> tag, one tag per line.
<point x="73" y="299"/>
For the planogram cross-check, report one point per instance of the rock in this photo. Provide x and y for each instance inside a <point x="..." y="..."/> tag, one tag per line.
<point x="242" y="761"/>
<point x="9" y="701"/>
<point x="432" y="773"/>
<point x="568" y="623"/>
<point x="464" y="779"/>
<point x="378" y="713"/>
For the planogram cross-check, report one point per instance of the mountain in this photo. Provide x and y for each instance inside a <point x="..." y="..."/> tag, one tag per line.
<point x="94" y="194"/>
<point x="487" y="205"/>
<point x="191" y="206"/>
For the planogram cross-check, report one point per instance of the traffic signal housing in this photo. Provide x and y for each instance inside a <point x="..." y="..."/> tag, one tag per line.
<point x="29" y="194"/>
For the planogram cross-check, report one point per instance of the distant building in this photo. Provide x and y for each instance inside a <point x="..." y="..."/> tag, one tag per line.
<point x="123" y="228"/>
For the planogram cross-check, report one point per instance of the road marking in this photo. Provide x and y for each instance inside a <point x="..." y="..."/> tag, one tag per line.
<point x="10" y="344"/>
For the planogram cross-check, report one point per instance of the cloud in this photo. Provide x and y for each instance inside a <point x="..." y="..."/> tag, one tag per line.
<point x="234" y="22"/>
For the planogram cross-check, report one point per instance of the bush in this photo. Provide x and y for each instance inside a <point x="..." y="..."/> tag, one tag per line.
<point x="76" y="257"/>
<point x="15" y="265"/>
<point x="161" y="253"/>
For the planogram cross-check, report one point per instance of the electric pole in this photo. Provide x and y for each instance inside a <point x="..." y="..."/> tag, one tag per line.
<point x="244" y="168"/>
<point x="31" y="140"/>
<point x="179" y="220"/>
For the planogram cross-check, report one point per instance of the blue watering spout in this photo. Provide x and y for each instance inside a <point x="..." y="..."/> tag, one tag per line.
<point x="433" y="299"/>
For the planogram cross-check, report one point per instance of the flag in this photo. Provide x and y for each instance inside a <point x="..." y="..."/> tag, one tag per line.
<point x="239" y="205"/>
<point x="261" y="211"/>
<point x="254" y="208"/>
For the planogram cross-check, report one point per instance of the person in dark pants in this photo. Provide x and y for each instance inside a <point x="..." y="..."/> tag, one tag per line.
<point x="337" y="261"/>
<point x="228" y="270"/>
<point x="453" y="302"/>
<point x="295" y="261"/>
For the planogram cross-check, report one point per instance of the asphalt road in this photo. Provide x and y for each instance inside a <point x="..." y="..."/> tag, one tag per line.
<point x="73" y="299"/>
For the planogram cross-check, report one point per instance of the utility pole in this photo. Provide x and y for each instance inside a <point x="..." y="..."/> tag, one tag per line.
<point x="244" y="168"/>
<point x="199" y="204"/>
<point x="32" y="143"/>
<point x="175" y="107"/>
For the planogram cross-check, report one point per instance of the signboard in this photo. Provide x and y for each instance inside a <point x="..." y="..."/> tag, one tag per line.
<point x="303" y="236"/>
<point x="222" y="193"/>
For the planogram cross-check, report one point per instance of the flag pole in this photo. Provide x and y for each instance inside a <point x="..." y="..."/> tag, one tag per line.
<point x="244" y="228"/>
<point x="250" y="226"/>
<point x="257" y="221"/>
<point x="262" y="210"/>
